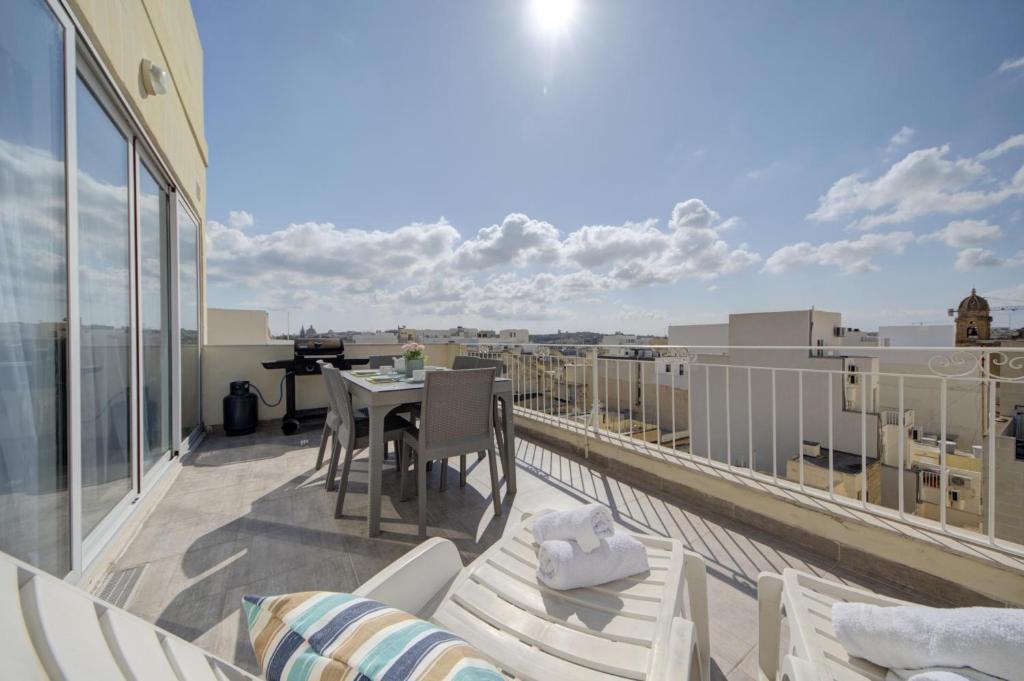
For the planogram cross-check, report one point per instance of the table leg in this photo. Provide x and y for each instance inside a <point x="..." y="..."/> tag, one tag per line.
<point x="377" y="445"/>
<point x="510" y="444"/>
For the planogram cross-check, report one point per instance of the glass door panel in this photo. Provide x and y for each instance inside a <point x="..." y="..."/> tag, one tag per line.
<point x="154" y="318"/>
<point x="104" y="259"/>
<point x="188" y="318"/>
<point x="34" y="501"/>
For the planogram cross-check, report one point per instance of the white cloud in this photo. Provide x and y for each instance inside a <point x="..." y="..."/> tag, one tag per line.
<point x="430" y="266"/>
<point x="518" y="241"/>
<point x="848" y="257"/>
<point x="1011" y="64"/>
<point x="974" y="258"/>
<point x="239" y="219"/>
<point x="598" y="245"/>
<point x="901" y="138"/>
<point x="923" y="182"/>
<point x="1001" y="148"/>
<point x="964" y="233"/>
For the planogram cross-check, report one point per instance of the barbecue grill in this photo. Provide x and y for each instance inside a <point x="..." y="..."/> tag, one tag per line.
<point x="307" y="352"/>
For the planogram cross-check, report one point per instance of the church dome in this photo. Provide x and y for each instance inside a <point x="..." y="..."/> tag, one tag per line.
<point x="973" y="304"/>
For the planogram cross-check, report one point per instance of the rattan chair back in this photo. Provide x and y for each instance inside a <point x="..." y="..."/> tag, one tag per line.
<point x="457" y="411"/>
<point x="337" y="394"/>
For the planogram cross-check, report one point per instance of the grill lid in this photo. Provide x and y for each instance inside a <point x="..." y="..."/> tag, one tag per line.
<point x="307" y="347"/>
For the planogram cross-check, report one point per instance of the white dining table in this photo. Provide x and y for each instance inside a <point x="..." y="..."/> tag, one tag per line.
<point x="380" y="398"/>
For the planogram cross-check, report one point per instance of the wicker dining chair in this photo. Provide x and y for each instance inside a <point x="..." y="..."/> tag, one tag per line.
<point x="378" y="361"/>
<point x="462" y="362"/>
<point x="354" y="430"/>
<point x="455" y="420"/>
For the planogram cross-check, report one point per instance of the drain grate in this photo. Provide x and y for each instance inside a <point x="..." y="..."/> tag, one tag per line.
<point x="118" y="586"/>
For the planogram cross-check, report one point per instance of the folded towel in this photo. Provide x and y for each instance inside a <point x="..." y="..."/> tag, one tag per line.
<point x="565" y="565"/>
<point x="909" y="637"/>
<point x="938" y="674"/>
<point x="585" y="525"/>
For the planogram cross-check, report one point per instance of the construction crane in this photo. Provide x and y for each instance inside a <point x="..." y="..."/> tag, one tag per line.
<point x="1001" y="308"/>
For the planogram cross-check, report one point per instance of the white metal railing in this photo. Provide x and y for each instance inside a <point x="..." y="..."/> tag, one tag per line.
<point x="871" y="428"/>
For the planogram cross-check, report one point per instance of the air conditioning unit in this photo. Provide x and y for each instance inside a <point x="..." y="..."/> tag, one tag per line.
<point x="956" y="480"/>
<point x="977" y="450"/>
<point x="812" y="449"/>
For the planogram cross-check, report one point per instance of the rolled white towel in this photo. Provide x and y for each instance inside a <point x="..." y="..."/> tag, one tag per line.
<point x="938" y="674"/>
<point x="565" y="565"/>
<point x="913" y="637"/>
<point x="585" y="525"/>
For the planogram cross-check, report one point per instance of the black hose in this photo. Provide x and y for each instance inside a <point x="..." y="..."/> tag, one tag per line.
<point x="280" y="391"/>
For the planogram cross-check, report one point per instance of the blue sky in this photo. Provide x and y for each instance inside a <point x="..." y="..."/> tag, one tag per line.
<point x="437" y="163"/>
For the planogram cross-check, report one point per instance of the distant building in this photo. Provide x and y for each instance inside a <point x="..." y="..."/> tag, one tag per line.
<point x="973" y="320"/>
<point x="917" y="336"/>
<point x="514" y="336"/>
<point x="374" y="338"/>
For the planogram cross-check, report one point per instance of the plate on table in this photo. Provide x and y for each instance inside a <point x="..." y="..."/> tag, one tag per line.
<point x="381" y="379"/>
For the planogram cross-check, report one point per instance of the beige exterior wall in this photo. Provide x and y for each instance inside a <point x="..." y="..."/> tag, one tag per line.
<point x="239" y="327"/>
<point x="164" y="31"/>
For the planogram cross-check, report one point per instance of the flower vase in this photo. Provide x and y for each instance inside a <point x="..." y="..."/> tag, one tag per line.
<point x="412" y="365"/>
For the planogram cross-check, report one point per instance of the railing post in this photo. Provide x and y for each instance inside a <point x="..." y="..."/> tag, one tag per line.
<point x="595" y="402"/>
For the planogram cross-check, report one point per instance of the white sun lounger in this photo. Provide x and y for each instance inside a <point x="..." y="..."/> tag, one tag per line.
<point x="52" y="630"/>
<point x="630" y="629"/>
<point x="813" y="653"/>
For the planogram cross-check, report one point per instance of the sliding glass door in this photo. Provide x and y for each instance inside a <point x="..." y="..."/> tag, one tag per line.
<point x="104" y="303"/>
<point x="154" y="316"/>
<point x="34" y="497"/>
<point x="188" y="320"/>
<point x="99" y="298"/>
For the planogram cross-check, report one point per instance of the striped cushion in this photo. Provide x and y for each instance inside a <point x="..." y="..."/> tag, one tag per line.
<point x="341" y="637"/>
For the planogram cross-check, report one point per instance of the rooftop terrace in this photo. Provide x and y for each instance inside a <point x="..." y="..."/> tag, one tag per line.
<point x="250" y="515"/>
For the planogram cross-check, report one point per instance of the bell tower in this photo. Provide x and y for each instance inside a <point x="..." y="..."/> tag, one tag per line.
<point x="973" y="321"/>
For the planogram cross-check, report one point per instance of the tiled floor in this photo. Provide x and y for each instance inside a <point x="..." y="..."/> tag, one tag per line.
<point x="250" y="515"/>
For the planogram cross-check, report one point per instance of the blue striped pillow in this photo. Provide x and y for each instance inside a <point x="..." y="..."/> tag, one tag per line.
<point x="331" y="636"/>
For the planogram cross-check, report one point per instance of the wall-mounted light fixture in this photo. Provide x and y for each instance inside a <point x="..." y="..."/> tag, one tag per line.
<point x="155" y="79"/>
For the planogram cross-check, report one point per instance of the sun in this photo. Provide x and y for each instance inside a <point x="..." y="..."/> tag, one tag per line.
<point x="553" y="16"/>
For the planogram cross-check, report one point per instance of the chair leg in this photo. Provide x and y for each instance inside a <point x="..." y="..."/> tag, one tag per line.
<point x="332" y="467"/>
<point x="403" y="463"/>
<point x="495" y="489"/>
<point x="421" y="489"/>
<point x="444" y="475"/>
<point x="343" y="486"/>
<point x="323" y="446"/>
<point x="462" y="471"/>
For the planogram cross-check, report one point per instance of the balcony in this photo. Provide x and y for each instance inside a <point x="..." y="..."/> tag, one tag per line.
<point x="250" y="515"/>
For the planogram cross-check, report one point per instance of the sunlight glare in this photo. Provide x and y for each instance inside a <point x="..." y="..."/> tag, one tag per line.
<point x="553" y="16"/>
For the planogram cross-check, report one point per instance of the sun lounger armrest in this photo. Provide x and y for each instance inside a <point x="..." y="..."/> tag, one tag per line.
<point x="697" y="592"/>
<point x="795" y="669"/>
<point x="415" y="579"/>
<point x="769" y="613"/>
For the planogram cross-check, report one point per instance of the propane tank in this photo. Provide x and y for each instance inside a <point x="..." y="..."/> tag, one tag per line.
<point x="241" y="410"/>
